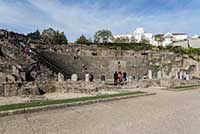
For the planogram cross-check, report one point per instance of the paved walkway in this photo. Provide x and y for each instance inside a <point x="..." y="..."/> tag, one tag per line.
<point x="167" y="112"/>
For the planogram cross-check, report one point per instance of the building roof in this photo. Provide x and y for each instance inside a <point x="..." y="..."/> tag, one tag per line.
<point x="172" y="34"/>
<point x="2" y="30"/>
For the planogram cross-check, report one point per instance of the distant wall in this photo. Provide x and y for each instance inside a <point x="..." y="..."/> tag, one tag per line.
<point x="193" y="43"/>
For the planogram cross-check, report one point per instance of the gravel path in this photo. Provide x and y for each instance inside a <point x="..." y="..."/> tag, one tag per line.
<point x="167" y="112"/>
<point x="48" y="96"/>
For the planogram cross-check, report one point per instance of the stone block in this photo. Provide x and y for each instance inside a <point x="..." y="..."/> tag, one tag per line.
<point x="60" y="77"/>
<point x="74" y="77"/>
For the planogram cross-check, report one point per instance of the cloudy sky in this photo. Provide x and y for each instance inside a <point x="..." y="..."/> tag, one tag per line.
<point x="76" y="17"/>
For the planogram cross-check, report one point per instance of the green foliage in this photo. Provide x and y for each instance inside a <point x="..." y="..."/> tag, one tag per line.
<point x="133" y="39"/>
<point x="82" y="40"/>
<point x="155" y="67"/>
<point x="181" y="50"/>
<point x="35" y="35"/>
<point x="186" y="86"/>
<point x="60" y="38"/>
<point x="121" y="40"/>
<point x="159" y="38"/>
<point x="144" y="40"/>
<point x="129" y="46"/>
<point x="54" y="37"/>
<point x="103" y="36"/>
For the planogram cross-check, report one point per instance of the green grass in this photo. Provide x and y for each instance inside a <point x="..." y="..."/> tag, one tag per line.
<point x="64" y="101"/>
<point x="186" y="86"/>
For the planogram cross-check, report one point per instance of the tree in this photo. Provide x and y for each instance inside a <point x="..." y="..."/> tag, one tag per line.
<point x="64" y="38"/>
<point x="133" y="39"/>
<point x="144" y="40"/>
<point x="82" y="40"/>
<point x="35" y="35"/>
<point x="48" y="35"/>
<point x="159" y="38"/>
<point x="60" y="38"/>
<point x="51" y="36"/>
<point x="122" y="40"/>
<point x="117" y="40"/>
<point x="103" y="36"/>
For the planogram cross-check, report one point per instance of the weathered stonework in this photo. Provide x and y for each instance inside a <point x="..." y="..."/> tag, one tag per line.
<point x="31" y="88"/>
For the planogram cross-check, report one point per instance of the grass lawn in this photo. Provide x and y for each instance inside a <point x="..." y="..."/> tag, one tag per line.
<point x="52" y="102"/>
<point x="186" y="86"/>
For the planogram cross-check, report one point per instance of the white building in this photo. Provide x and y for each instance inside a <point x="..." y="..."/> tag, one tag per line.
<point x="165" y="39"/>
<point x="179" y="36"/>
<point x="168" y="38"/>
<point x="195" y="36"/>
<point x="123" y="36"/>
<point x="139" y="34"/>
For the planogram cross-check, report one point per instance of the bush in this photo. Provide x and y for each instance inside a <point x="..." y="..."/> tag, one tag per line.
<point x="181" y="50"/>
<point x="128" y="46"/>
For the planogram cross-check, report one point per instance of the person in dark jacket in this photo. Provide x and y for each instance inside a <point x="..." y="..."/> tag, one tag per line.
<point x="91" y="77"/>
<point x="115" y="78"/>
<point x="124" y="78"/>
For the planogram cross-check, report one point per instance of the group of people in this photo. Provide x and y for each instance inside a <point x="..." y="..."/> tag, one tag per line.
<point x="120" y="78"/>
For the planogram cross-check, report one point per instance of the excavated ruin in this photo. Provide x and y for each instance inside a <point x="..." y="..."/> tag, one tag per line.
<point x="52" y="63"/>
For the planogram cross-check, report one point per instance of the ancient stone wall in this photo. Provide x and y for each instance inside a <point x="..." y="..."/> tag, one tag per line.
<point x="15" y="63"/>
<point x="101" y="61"/>
<point x="98" y="61"/>
<point x="32" y="88"/>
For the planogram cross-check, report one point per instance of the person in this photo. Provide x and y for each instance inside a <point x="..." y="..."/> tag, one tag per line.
<point x="103" y="78"/>
<point x="120" y="77"/>
<point x="124" y="78"/>
<point x="115" y="78"/>
<point x="91" y="77"/>
<point x="26" y="50"/>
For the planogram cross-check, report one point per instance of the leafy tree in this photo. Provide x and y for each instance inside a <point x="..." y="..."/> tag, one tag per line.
<point x="60" y="38"/>
<point x="35" y="35"/>
<point x="64" y="38"/>
<point x="51" y="36"/>
<point x="103" y="36"/>
<point x="82" y="40"/>
<point x="133" y="39"/>
<point x="117" y="40"/>
<point x="48" y="35"/>
<point x="122" y="40"/>
<point x="144" y="40"/>
<point x="159" y="38"/>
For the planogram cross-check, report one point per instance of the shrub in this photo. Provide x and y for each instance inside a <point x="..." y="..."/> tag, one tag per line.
<point x="128" y="46"/>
